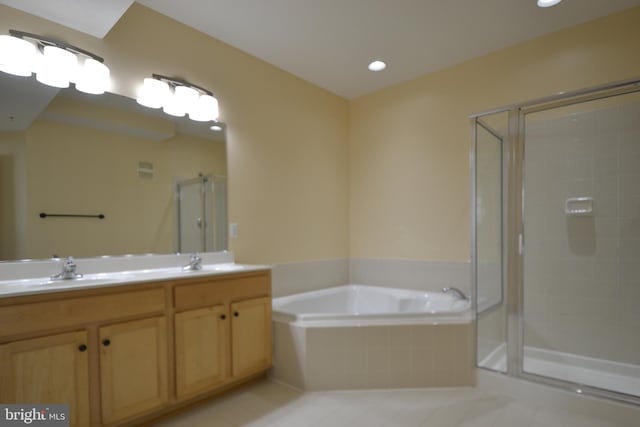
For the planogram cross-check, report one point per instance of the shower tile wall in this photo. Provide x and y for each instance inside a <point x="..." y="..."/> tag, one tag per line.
<point x="582" y="273"/>
<point x="422" y="275"/>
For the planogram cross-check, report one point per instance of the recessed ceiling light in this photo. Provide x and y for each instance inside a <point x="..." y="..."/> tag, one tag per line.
<point x="377" y="66"/>
<point x="216" y="128"/>
<point x="548" y="3"/>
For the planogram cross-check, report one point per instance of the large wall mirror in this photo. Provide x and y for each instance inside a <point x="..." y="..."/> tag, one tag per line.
<point x="159" y="181"/>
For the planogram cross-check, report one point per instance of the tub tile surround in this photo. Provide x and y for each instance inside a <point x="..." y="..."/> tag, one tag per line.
<point x="296" y="277"/>
<point x="333" y="358"/>
<point x="424" y="275"/>
<point x="326" y="358"/>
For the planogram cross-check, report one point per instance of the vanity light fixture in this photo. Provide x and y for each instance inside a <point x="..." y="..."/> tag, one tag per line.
<point x="548" y="3"/>
<point x="178" y="97"/>
<point x="54" y="62"/>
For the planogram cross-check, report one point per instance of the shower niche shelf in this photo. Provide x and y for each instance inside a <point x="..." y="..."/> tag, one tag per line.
<point x="579" y="206"/>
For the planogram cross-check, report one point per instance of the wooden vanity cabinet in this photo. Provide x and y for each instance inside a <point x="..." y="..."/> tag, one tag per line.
<point x="52" y="369"/>
<point x="133" y="368"/>
<point x="250" y="336"/>
<point x="222" y="331"/>
<point x="48" y="348"/>
<point x="119" y="355"/>
<point x="201" y="342"/>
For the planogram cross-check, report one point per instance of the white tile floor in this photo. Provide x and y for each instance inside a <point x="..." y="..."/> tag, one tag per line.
<point x="268" y="404"/>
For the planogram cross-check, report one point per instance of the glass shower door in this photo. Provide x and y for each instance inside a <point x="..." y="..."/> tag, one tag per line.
<point x="581" y="229"/>
<point x="491" y="334"/>
<point x="192" y="222"/>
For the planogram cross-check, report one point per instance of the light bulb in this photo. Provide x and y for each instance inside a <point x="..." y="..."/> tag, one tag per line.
<point x="17" y="56"/>
<point x="153" y="93"/>
<point x="187" y="96"/>
<point x="93" y="77"/>
<point x="206" y="109"/>
<point x="58" y="68"/>
<point x="173" y="106"/>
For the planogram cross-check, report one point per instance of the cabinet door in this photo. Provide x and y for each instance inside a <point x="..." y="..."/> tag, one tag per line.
<point x="53" y="369"/>
<point x="250" y="336"/>
<point x="133" y="368"/>
<point x="201" y="349"/>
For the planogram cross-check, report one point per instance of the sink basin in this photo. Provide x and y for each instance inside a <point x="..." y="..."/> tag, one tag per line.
<point x="45" y="281"/>
<point x="70" y="282"/>
<point x="223" y="267"/>
<point x="227" y="267"/>
<point x="91" y="280"/>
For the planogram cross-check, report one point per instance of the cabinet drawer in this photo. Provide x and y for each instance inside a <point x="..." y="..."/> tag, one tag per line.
<point x="222" y="290"/>
<point x="40" y="316"/>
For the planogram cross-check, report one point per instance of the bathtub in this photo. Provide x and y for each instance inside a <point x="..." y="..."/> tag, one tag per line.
<point x="360" y="305"/>
<point x="357" y="336"/>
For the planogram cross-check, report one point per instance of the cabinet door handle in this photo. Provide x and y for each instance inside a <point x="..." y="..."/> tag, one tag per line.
<point x="236" y="314"/>
<point x="106" y="342"/>
<point x="82" y="347"/>
<point x="222" y="316"/>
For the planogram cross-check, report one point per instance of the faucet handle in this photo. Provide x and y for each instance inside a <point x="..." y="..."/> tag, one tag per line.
<point x="457" y="292"/>
<point x="195" y="262"/>
<point x="68" y="270"/>
<point x="69" y="263"/>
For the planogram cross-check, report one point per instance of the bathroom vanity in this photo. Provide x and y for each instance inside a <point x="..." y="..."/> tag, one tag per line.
<point x="136" y="346"/>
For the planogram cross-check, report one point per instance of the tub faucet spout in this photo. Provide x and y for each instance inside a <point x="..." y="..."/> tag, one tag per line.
<point x="68" y="271"/>
<point x="455" y="291"/>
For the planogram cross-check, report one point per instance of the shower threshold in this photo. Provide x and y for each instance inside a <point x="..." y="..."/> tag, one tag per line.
<point x="604" y="374"/>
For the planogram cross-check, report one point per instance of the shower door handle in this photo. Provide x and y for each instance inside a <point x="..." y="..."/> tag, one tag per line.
<point x="520" y="243"/>
<point x="199" y="222"/>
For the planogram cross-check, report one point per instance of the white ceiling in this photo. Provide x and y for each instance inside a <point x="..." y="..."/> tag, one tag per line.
<point x="22" y="101"/>
<point x="95" y="17"/>
<point x="330" y="42"/>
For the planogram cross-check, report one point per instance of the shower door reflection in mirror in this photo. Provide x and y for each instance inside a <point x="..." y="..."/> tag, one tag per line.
<point x="202" y="214"/>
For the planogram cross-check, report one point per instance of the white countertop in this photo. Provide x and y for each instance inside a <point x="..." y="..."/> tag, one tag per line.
<point x="39" y="285"/>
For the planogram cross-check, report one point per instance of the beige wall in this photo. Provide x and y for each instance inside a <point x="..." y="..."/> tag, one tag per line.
<point x="403" y="151"/>
<point x="7" y="215"/>
<point x="409" y="144"/>
<point x="11" y="149"/>
<point x="287" y="139"/>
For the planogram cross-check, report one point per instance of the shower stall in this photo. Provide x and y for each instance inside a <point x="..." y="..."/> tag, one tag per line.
<point x="201" y="214"/>
<point x="556" y="240"/>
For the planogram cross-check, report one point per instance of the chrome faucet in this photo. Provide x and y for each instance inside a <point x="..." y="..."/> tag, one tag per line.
<point x="68" y="271"/>
<point x="195" y="263"/>
<point x="455" y="291"/>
